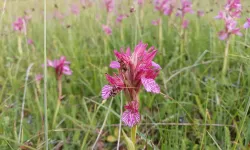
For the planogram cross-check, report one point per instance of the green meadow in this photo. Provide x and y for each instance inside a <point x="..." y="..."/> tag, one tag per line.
<point x="199" y="107"/>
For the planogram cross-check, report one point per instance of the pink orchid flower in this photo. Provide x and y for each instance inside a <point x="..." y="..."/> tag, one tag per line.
<point x="229" y="15"/>
<point x="186" y="7"/>
<point x="140" y="2"/>
<point x="247" y="24"/>
<point x="61" y="67"/>
<point x="58" y="15"/>
<point x="75" y="9"/>
<point x="185" y="24"/>
<point x="120" y="18"/>
<point x="165" y="7"/>
<point x="19" y="24"/>
<point x="38" y="77"/>
<point x="156" y="22"/>
<point x="230" y="28"/>
<point x="234" y="8"/>
<point x="86" y="3"/>
<point x="200" y="13"/>
<point x="135" y="70"/>
<point x="30" y="41"/>
<point x="109" y="5"/>
<point x="107" y="29"/>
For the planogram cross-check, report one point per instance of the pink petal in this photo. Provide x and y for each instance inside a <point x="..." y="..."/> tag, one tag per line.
<point x="51" y="63"/>
<point x="131" y="118"/>
<point x="39" y="77"/>
<point x="155" y="65"/>
<point x="106" y="91"/>
<point x="114" y="65"/>
<point x="150" y="85"/>
<point x="223" y="35"/>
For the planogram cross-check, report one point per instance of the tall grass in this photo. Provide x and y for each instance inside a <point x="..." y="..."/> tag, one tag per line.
<point x="204" y="113"/>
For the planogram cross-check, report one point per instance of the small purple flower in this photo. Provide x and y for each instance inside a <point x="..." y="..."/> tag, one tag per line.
<point x="61" y="66"/>
<point x="107" y="29"/>
<point x="247" y="24"/>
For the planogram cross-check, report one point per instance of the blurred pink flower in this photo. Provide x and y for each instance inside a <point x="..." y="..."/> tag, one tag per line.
<point x="61" y="66"/>
<point x="221" y="15"/>
<point x="156" y="22"/>
<point x="58" y="15"/>
<point x="185" y="24"/>
<point x="200" y="13"/>
<point x="39" y="77"/>
<point x="19" y="24"/>
<point x="131" y="115"/>
<point x="165" y="7"/>
<point x="107" y="29"/>
<point x="109" y="5"/>
<point x="120" y="18"/>
<point x="140" y="2"/>
<point x="30" y="42"/>
<point x="135" y="70"/>
<point x="234" y="8"/>
<point x="186" y="7"/>
<point x="75" y="9"/>
<point x="229" y="15"/>
<point x="247" y="24"/>
<point x="230" y="28"/>
<point x="86" y="3"/>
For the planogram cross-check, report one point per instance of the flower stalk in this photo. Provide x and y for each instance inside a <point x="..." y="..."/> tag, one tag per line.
<point x="133" y="134"/>
<point x="225" y="62"/>
<point x="59" y="87"/>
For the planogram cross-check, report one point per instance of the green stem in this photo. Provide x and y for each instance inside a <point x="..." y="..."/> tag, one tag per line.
<point x="133" y="134"/>
<point x="59" y="82"/>
<point x="225" y="62"/>
<point x="160" y="34"/>
<point x="20" y="50"/>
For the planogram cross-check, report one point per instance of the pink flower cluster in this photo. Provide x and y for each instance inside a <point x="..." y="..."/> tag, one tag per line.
<point x="186" y="7"/>
<point x="165" y="7"/>
<point x="229" y="15"/>
<point x="19" y="24"/>
<point x="107" y="29"/>
<point x="109" y="5"/>
<point x="61" y="67"/>
<point x="134" y="70"/>
<point x="247" y="24"/>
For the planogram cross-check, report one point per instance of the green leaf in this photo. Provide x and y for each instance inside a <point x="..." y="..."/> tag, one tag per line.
<point x="128" y="141"/>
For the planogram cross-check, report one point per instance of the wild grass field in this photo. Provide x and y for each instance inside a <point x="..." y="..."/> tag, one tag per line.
<point x="204" y="79"/>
